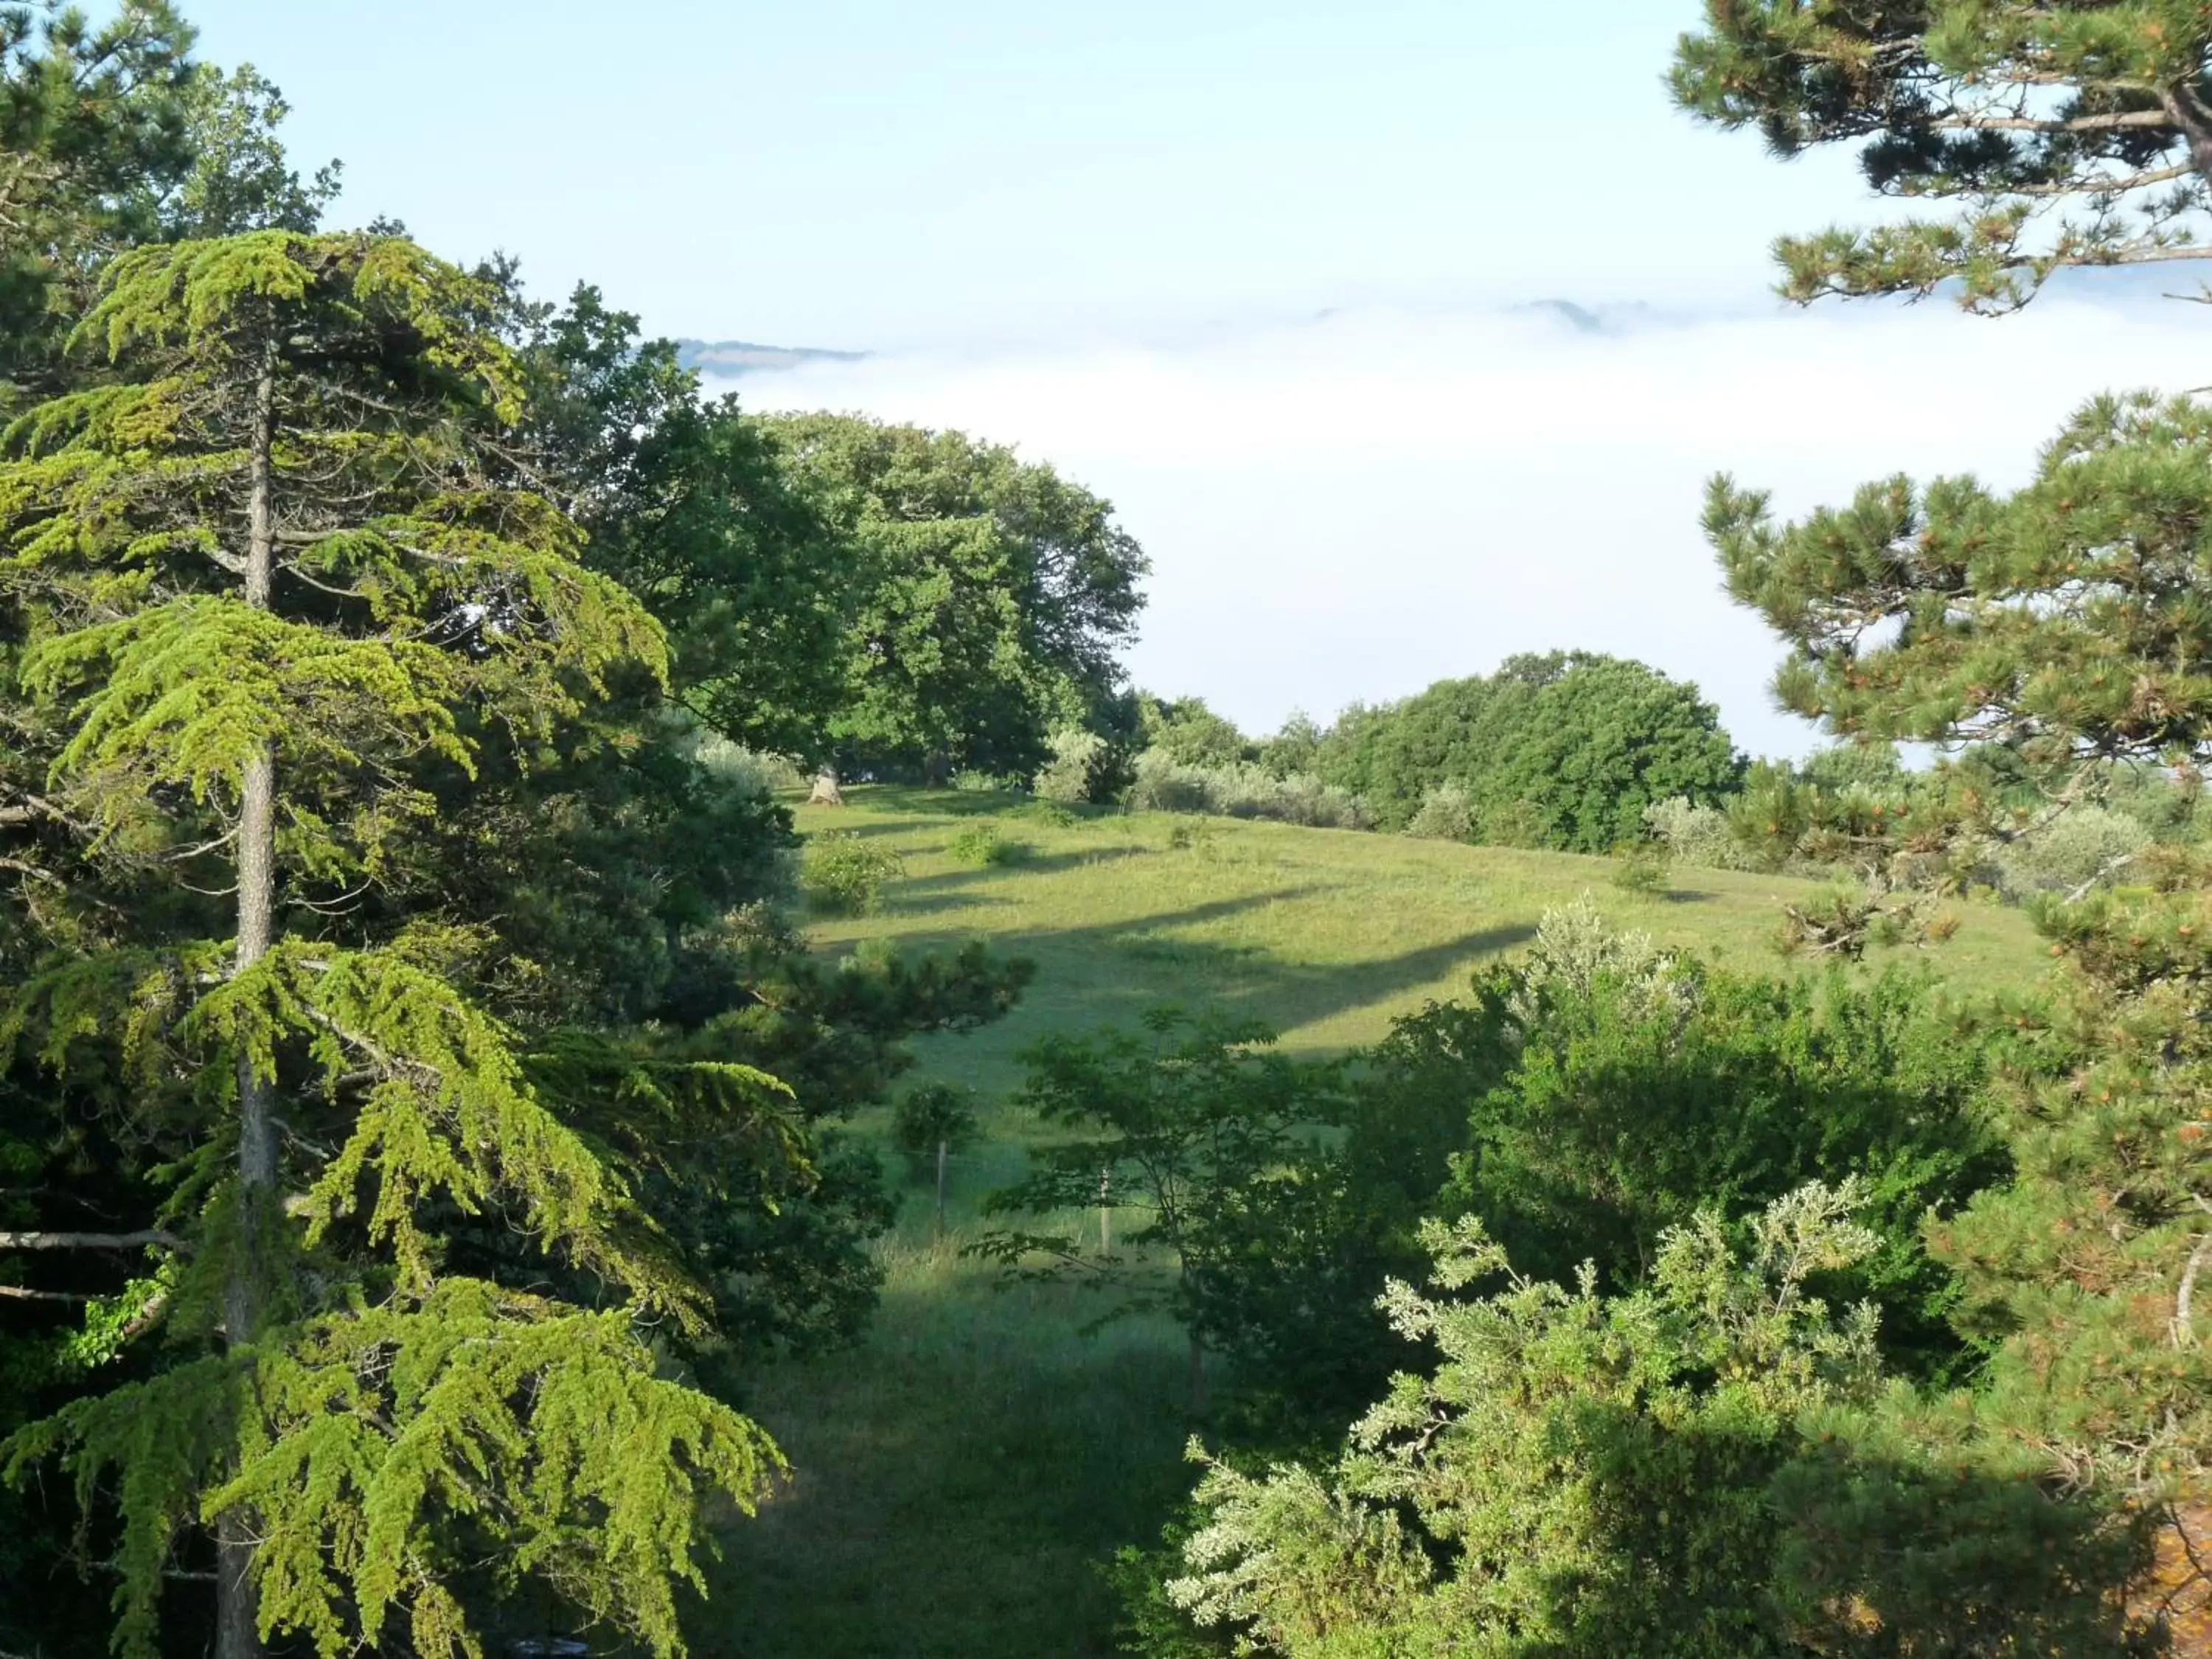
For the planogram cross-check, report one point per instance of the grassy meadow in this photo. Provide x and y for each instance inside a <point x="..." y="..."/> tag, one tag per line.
<point x="960" y="1475"/>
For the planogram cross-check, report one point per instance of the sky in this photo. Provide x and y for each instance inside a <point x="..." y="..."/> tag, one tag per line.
<point x="1106" y="234"/>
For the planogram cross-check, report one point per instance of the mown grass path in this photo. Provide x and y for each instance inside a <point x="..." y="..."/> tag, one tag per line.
<point x="961" y="1474"/>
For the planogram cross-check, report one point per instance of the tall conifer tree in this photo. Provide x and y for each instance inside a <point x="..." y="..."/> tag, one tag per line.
<point x="270" y="581"/>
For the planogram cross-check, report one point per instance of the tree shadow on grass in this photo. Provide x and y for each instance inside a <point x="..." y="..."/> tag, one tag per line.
<point x="1254" y="978"/>
<point x="1024" y="864"/>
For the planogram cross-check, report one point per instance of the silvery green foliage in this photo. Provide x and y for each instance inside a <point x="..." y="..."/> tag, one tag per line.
<point x="1078" y="767"/>
<point x="1243" y="790"/>
<point x="1447" y="813"/>
<point x="2083" y="847"/>
<point x="1698" y="835"/>
<point x="746" y="771"/>
<point x="1460" y="1505"/>
<point x="1576" y="946"/>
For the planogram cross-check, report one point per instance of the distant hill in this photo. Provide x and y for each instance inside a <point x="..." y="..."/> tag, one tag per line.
<point x="728" y="359"/>
<point x="1595" y="320"/>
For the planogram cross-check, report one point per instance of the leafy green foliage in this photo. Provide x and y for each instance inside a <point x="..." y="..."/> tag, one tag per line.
<point x="2077" y="133"/>
<point x="1188" y="733"/>
<point x="1243" y="789"/>
<point x="1562" y="750"/>
<point x="1181" y="1124"/>
<point x="844" y="875"/>
<point x="689" y="504"/>
<point x="2058" y="627"/>
<point x="983" y="844"/>
<point x="992" y="593"/>
<point x="1758" y="1084"/>
<point x="1081" y="770"/>
<point x="94" y="130"/>
<point x="1590" y="1474"/>
<point x="2049" y="621"/>
<point x="930" y="1116"/>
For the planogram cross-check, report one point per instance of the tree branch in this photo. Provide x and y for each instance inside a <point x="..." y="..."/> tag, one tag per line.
<point x="92" y="1241"/>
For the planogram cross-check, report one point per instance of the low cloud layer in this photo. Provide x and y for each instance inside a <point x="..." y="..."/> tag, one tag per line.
<point x="1350" y="508"/>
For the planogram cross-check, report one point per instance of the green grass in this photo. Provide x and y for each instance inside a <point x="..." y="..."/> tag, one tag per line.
<point x="961" y="1474"/>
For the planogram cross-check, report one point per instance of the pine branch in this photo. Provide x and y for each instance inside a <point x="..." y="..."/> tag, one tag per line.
<point x="152" y="1235"/>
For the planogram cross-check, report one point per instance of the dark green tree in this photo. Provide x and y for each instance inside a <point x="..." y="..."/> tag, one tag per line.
<point x="2068" y="132"/>
<point x="2063" y="625"/>
<point x="1562" y="749"/>
<point x="268" y="586"/>
<point x="994" y="594"/>
<point x="689" y="504"/>
<point x="1189" y="733"/>
<point x="94" y="135"/>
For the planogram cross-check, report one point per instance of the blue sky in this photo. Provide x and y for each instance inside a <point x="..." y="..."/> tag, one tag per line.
<point x="1102" y="233"/>
<point x="878" y="172"/>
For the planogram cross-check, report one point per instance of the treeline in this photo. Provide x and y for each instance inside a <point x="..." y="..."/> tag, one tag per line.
<point x="1566" y="749"/>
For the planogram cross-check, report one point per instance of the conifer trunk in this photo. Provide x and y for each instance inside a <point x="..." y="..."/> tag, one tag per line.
<point x="237" y="1614"/>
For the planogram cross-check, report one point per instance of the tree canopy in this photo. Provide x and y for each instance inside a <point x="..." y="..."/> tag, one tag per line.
<point x="2069" y="134"/>
<point x="1562" y="749"/>
<point x="992" y="593"/>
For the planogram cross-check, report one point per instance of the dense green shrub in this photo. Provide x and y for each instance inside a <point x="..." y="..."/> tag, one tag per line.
<point x="1189" y="733"/>
<point x="845" y="873"/>
<point x="1693" y="1467"/>
<point x="1698" y="835"/>
<point x="983" y="844"/>
<point x="746" y="771"/>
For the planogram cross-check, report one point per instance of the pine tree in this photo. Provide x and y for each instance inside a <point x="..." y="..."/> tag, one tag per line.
<point x="272" y="583"/>
<point x="2070" y="132"/>
<point x="2065" y="627"/>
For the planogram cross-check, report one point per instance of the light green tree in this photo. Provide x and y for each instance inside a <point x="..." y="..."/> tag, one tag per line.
<point x="269" y="580"/>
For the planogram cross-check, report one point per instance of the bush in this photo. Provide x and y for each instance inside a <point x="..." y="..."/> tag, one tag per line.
<point x="928" y="1115"/>
<point x="1698" y="835"/>
<point x="982" y="844"/>
<point x="1640" y="867"/>
<point x="2082" y="847"/>
<point x="845" y="873"/>
<point x="1080" y="770"/>
<point x="1243" y="791"/>
<point x="1446" y="814"/>
<point x="746" y="771"/>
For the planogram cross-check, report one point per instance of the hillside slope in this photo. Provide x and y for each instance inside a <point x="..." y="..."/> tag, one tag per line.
<point x="1326" y="934"/>
<point x="963" y="1474"/>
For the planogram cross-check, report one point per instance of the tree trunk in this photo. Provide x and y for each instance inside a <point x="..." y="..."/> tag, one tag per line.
<point x="237" y="1604"/>
<point x="1105" y="1212"/>
<point x="2188" y="113"/>
<point x="936" y="770"/>
<point x="942" y="1149"/>
<point x="826" y="791"/>
<point x="1197" y="1373"/>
